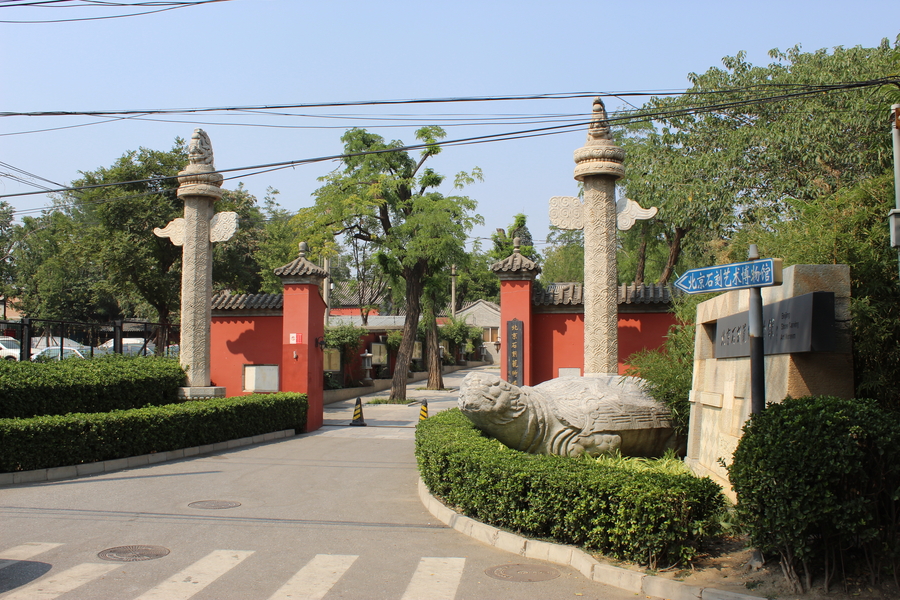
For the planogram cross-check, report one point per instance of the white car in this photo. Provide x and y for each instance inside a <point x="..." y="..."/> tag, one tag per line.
<point x="9" y="348"/>
<point x="54" y="353"/>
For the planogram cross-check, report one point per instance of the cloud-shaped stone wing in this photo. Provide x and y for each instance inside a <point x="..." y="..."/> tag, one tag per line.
<point x="222" y="226"/>
<point x="174" y="231"/>
<point x="628" y="211"/>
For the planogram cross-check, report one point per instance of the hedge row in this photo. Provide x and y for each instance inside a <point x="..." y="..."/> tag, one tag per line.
<point x="650" y="518"/>
<point x="100" y="384"/>
<point x="54" y="441"/>
<point x="818" y="482"/>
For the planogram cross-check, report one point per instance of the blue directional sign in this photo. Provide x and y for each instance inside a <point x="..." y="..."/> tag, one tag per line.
<point x="736" y="276"/>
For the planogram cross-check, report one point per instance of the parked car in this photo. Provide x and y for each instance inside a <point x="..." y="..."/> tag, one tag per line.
<point x="130" y="347"/>
<point x="10" y="349"/>
<point x="56" y="353"/>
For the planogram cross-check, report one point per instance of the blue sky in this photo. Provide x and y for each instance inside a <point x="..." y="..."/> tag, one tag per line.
<point x="262" y="52"/>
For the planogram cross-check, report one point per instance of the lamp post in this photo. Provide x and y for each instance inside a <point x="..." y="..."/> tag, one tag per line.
<point x="367" y="367"/>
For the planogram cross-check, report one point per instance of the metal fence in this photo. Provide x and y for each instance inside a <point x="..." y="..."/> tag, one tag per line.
<point x="38" y="337"/>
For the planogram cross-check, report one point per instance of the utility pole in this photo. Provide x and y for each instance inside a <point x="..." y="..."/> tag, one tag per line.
<point x="453" y="291"/>
<point x="894" y="215"/>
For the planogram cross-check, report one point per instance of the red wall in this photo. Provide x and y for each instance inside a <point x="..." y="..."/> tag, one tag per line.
<point x="350" y="312"/>
<point x="642" y="331"/>
<point x="515" y="303"/>
<point x="239" y="341"/>
<point x="558" y="340"/>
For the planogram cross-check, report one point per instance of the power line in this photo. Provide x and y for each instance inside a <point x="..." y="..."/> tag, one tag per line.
<point x="90" y="4"/>
<point x="634" y="116"/>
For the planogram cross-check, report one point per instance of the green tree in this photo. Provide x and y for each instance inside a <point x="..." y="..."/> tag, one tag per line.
<point x="384" y="196"/>
<point x="564" y="257"/>
<point x="278" y="244"/>
<point x="474" y="279"/>
<point x="862" y="241"/>
<point x="94" y="256"/>
<point x="55" y="276"/>
<point x="736" y="152"/>
<point x="504" y="240"/>
<point x="116" y="225"/>
<point x="236" y="267"/>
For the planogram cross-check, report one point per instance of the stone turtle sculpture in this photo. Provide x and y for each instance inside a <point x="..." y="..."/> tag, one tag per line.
<point x="570" y="416"/>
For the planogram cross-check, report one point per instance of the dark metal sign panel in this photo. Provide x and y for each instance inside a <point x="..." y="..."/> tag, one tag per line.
<point x="736" y="276"/>
<point x="801" y="324"/>
<point x="515" y="331"/>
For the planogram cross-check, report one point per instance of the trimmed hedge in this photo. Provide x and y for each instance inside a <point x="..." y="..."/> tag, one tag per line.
<point x="818" y="481"/>
<point x="55" y="441"/>
<point x="97" y="385"/>
<point x="651" y="518"/>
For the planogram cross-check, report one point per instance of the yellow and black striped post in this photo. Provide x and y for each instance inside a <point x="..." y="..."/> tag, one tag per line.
<point x="357" y="414"/>
<point x="423" y="413"/>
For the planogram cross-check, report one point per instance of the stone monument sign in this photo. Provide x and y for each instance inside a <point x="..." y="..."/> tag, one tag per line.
<point x="807" y="350"/>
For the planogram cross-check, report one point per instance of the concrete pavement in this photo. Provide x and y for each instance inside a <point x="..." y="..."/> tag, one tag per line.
<point x="331" y="514"/>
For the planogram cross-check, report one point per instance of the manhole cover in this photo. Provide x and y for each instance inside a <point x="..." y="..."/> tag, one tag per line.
<point x="214" y="504"/>
<point x="133" y="553"/>
<point x="522" y="573"/>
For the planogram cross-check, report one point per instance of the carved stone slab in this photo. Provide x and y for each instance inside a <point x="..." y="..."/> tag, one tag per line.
<point x="174" y="230"/>
<point x="566" y="212"/>
<point x="223" y="226"/>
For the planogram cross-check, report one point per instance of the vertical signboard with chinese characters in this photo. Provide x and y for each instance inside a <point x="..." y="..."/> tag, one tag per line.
<point x="514" y="352"/>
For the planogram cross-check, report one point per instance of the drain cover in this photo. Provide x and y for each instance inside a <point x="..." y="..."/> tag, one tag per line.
<point x="522" y="573"/>
<point x="133" y="553"/>
<point x="214" y="504"/>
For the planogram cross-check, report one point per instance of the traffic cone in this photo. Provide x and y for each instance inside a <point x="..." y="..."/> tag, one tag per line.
<point x="357" y="414"/>
<point x="423" y="412"/>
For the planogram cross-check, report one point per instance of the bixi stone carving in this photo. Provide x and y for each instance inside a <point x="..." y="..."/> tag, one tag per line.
<point x="570" y="416"/>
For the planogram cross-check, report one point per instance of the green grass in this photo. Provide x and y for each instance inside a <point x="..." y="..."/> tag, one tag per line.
<point x="387" y="401"/>
<point x="668" y="463"/>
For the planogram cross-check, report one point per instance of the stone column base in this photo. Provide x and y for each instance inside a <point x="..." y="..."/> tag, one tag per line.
<point x="199" y="393"/>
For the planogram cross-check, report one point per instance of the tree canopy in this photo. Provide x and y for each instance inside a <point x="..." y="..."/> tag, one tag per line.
<point x="94" y="257"/>
<point x="384" y="196"/>
<point x="738" y="149"/>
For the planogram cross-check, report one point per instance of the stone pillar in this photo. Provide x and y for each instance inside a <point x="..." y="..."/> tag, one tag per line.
<point x="200" y="187"/>
<point x="303" y="327"/>
<point x="516" y="273"/>
<point x="598" y="166"/>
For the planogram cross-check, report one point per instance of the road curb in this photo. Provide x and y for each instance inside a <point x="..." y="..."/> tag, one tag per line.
<point x="118" y="464"/>
<point x="560" y="554"/>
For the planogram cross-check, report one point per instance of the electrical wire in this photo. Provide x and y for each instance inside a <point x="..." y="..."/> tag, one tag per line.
<point x="634" y="116"/>
<point x="49" y="4"/>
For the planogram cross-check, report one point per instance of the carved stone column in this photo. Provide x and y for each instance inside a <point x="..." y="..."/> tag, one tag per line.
<point x="598" y="166"/>
<point x="199" y="188"/>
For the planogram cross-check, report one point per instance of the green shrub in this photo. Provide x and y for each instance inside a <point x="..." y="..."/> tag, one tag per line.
<point x="816" y="477"/>
<point x="651" y="518"/>
<point x="61" y="440"/>
<point x="100" y="384"/>
<point x="668" y="371"/>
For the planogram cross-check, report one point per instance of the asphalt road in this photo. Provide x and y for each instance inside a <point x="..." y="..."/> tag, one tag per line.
<point x="330" y="514"/>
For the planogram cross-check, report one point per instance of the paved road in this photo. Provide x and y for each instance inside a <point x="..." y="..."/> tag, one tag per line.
<point x="331" y="514"/>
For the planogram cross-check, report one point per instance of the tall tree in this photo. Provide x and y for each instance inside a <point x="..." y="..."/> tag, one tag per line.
<point x="504" y="240"/>
<point x="564" y="257"/>
<point x="94" y="255"/>
<point x="736" y="151"/>
<point x="384" y="196"/>
<point x="474" y="279"/>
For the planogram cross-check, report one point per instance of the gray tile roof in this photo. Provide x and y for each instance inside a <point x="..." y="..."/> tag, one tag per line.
<point x="229" y="301"/>
<point x="515" y="263"/>
<point x="301" y="267"/>
<point x="569" y="294"/>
